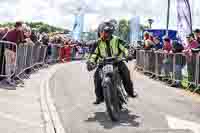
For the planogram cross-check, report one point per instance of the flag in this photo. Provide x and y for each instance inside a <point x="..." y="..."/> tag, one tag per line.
<point x="184" y="23"/>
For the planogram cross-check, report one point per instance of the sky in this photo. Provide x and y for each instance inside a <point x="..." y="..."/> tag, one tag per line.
<point x="61" y="12"/>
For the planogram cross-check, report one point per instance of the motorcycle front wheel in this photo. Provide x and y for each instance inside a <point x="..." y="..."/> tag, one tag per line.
<point x="111" y="101"/>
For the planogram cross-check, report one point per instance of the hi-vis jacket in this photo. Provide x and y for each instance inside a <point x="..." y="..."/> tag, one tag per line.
<point x="117" y="48"/>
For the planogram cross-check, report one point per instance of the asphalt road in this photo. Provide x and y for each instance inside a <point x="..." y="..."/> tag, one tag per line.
<point x="158" y="109"/>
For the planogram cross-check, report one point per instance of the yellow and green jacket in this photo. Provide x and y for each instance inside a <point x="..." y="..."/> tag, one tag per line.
<point x="117" y="48"/>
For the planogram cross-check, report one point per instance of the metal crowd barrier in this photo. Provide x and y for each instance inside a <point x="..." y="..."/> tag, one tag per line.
<point x="163" y="65"/>
<point x="8" y="59"/>
<point x="16" y="59"/>
<point x="54" y="50"/>
<point x="170" y="66"/>
<point x="198" y="72"/>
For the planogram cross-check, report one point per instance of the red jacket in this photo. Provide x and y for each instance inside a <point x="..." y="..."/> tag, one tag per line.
<point x="65" y="53"/>
<point x="15" y="36"/>
<point x="167" y="46"/>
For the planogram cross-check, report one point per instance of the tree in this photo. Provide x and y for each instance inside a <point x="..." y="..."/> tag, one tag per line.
<point x="44" y="28"/>
<point x="36" y="25"/>
<point x="123" y="29"/>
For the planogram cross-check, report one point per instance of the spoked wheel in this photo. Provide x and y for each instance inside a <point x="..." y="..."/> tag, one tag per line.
<point x="112" y="103"/>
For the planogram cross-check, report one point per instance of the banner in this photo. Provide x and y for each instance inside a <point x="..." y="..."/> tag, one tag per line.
<point x="78" y="26"/>
<point x="184" y="19"/>
<point x="134" y="29"/>
<point x="172" y="34"/>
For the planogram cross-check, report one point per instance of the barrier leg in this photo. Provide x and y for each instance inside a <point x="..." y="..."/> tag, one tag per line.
<point x="197" y="74"/>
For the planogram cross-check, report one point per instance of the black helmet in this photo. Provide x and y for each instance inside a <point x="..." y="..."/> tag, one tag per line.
<point x="108" y="27"/>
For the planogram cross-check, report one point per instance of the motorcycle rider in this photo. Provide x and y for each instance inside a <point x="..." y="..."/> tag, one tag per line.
<point x="110" y="46"/>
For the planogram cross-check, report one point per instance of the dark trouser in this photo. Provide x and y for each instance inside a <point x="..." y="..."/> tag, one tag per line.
<point x="126" y="79"/>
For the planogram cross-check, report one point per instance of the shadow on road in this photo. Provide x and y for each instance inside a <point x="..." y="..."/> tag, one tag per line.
<point x="5" y="86"/>
<point x="126" y="119"/>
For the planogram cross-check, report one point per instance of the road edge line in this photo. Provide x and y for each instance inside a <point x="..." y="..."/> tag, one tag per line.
<point x="52" y="121"/>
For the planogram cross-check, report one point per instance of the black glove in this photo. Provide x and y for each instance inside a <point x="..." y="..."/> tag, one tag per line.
<point x="90" y="66"/>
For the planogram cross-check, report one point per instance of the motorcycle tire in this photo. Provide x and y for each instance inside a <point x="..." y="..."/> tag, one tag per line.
<point x="111" y="101"/>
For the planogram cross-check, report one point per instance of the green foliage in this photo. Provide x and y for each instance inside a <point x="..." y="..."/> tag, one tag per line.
<point x="123" y="29"/>
<point x="44" y="28"/>
<point x="40" y="26"/>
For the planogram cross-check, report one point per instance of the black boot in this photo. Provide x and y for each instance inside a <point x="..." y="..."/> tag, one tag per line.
<point x="133" y="94"/>
<point x="98" y="101"/>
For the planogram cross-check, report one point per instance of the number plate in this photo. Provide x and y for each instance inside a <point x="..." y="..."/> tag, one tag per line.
<point x="108" y="69"/>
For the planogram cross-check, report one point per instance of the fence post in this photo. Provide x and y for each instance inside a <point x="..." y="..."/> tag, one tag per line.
<point x="174" y="68"/>
<point x="197" y="72"/>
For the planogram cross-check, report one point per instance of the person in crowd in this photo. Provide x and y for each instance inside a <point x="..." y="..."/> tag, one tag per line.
<point x="55" y="46"/>
<point x="27" y="34"/>
<point x="29" y="44"/>
<point x="15" y="35"/>
<point x="197" y="38"/>
<point x="177" y="48"/>
<point x="148" y="41"/>
<point x="157" y="43"/>
<point x="191" y="44"/>
<point x="3" y="32"/>
<point x="167" y="48"/>
<point x="45" y="39"/>
<point x="65" y="52"/>
<point x="190" y="56"/>
<point x="34" y="38"/>
<point x="197" y="35"/>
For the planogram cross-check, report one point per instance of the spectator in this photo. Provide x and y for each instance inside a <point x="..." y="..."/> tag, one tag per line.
<point x="27" y="34"/>
<point x="179" y="63"/>
<point x="191" y="44"/>
<point x="157" y="43"/>
<point x="190" y="56"/>
<point x="148" y="41"/>
<point x="65" y="52"/>
<point x="45" y="40"/>
<point x="177" y="47"/>
<point x="55" y="49"/>
<point x="34" y="37"/>
<point x="167" y="46"/>
<point x="197" y="35"/>
<point x="3" y="32"/>
<point x="15" y="35"/>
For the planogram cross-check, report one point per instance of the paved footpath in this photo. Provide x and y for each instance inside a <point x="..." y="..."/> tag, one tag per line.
<point x="20" y="108"/>
<point x="158" y="109"/>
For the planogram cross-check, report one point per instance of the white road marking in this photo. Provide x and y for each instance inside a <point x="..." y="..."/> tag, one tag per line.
<point x="176" y="123"/>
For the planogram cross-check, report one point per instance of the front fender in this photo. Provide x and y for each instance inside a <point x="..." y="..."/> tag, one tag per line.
<point x="106" y="81"/>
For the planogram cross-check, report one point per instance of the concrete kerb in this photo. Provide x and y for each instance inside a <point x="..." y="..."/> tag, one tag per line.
<point x="51" y="117"/>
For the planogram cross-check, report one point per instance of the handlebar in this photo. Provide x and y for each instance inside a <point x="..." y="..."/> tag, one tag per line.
<point x="111" y="60"/>
<point x="104" y="61"/>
